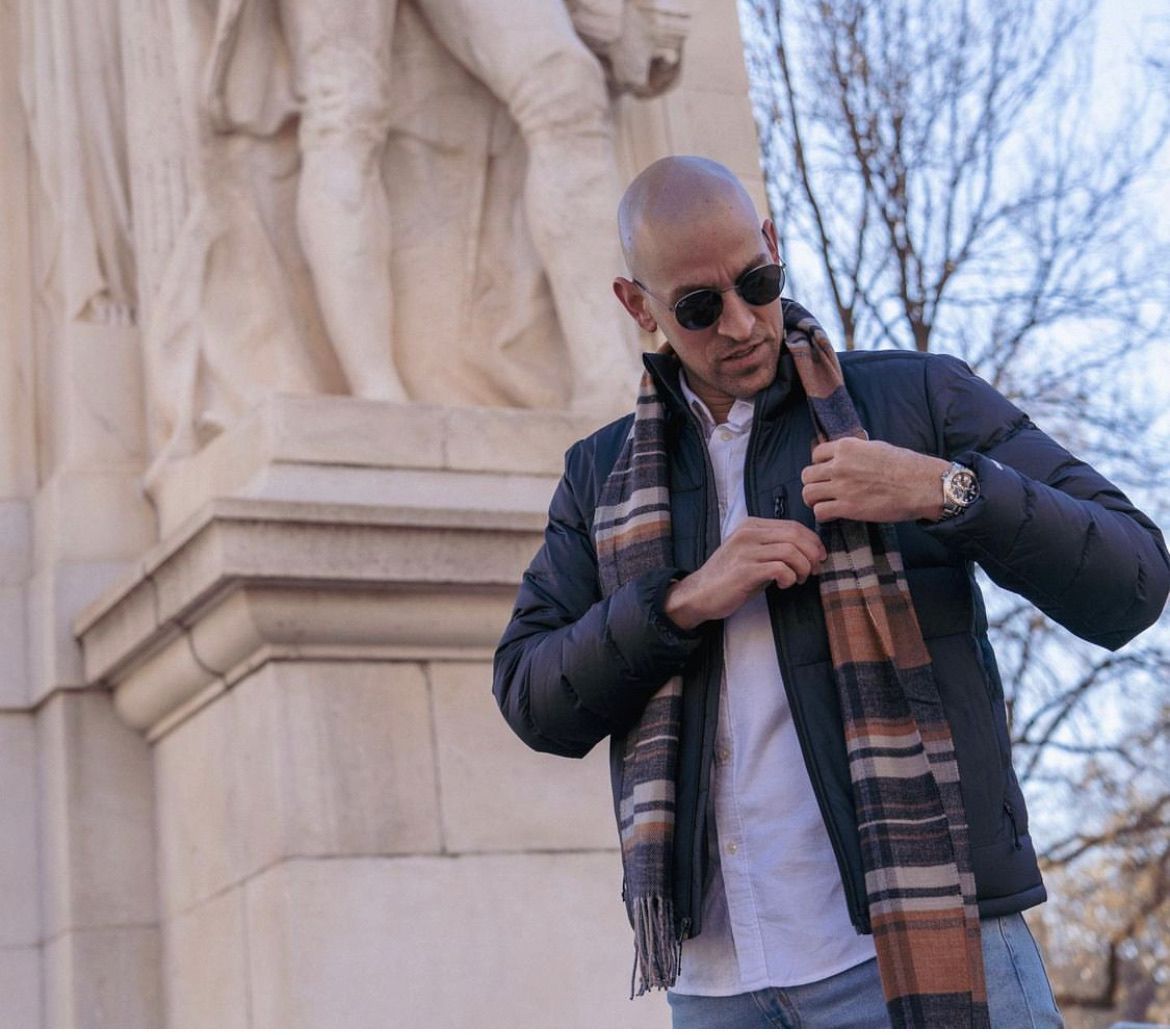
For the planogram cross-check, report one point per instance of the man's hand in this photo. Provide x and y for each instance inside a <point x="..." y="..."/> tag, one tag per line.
<point x="759" y="551"/>
<point x="873" y="481"/>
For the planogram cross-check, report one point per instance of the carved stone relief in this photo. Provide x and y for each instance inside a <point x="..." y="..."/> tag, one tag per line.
<point x="395" y="199"/>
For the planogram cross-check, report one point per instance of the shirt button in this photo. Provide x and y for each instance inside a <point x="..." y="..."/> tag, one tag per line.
<point x="725" y="435"/>
<point x="732" y="847"/>
<point x="722" y="755"/>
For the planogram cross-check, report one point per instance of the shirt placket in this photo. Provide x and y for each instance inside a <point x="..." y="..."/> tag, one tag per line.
<point x="747" y="935"/>
<point x="746" y="901"/>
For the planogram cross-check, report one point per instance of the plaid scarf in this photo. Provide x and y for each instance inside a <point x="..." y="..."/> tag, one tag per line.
<point x="913" y="832"/>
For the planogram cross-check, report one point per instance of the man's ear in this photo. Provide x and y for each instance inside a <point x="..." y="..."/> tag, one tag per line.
<point x="769" y="231"/>
<point x="633" y="300"/>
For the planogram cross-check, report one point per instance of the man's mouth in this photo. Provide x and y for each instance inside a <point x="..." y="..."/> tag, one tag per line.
<point x="743" y="353"/>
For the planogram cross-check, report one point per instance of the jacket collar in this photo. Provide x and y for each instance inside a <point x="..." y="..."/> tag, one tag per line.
<point x="664" y="368"/>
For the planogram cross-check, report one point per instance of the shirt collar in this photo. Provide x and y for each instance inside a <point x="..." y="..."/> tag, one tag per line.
<point x="739" y="417"/>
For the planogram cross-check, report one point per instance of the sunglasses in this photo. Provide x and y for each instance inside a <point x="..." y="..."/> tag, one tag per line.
<point x="698" y="310"/>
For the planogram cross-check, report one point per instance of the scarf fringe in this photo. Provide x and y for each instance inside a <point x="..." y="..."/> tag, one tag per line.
<point x="657" y="950"/>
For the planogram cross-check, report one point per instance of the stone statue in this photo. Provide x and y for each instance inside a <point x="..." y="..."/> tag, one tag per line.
<point x="221" y="317"/>
<point x="332" y="64"/>
<point x="73" y="110"/>
<point x="340" y="66"/>
<point x="395" y="200"/>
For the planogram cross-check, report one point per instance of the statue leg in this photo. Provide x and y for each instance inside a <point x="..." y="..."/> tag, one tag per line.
<point x="341" y="52"/>
<point x="531" y="58"/>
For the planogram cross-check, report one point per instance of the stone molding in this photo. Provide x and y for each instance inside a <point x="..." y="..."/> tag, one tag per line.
<point x="326" y="527"/>
<point x="248" y="580"/>
<point x="339" y="449"/>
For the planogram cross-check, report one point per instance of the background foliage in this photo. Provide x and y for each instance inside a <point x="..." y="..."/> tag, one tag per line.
<point x="969" y="177"/>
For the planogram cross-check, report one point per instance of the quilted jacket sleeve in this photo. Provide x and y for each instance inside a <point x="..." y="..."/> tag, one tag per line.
<point x="1046" y="525"/>
<point x="573" y="668"/>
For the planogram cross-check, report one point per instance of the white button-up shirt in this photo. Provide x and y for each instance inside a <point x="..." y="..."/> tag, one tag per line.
<point x="774" y="912"/>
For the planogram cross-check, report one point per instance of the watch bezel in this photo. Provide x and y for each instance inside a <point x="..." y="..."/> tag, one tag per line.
<point x="960" y="489"/>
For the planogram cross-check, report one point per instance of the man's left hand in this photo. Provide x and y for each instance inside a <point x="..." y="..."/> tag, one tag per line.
<point x="873" y="481"/>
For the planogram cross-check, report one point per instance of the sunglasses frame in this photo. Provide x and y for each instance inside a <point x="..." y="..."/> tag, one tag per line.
<point x="736" y="287"/>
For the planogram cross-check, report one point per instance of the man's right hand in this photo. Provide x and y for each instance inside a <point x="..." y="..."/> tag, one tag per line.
<point x="759" y="551"/>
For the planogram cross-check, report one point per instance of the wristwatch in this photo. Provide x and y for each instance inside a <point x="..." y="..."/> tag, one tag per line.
<point x="960" y="489"/>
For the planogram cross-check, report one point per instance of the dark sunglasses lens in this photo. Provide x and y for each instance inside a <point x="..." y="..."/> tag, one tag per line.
<point x="762" y="286"/>
<point x="699" y="309"/>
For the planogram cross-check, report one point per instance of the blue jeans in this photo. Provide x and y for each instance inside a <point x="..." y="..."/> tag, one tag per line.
<point x="1018" y="993"/>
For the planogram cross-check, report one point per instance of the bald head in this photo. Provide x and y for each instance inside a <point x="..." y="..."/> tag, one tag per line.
<point x="675" y="194"/>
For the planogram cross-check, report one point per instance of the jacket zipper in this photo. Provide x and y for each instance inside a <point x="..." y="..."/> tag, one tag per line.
<point x="857" y="912"/>
<point x="710" y="703"/>
<point x="1011" y="815"/>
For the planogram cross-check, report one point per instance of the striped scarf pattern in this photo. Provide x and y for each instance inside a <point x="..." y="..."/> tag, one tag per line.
<point x="910" y="818"/>
<point x="631" y="531"/>
<point x="919" y="884"/>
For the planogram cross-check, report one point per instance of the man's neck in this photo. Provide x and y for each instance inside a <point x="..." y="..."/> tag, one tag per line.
<point x="718" y="405"/>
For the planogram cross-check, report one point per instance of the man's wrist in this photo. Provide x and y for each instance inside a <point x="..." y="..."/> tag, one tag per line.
<point x="932" y="499"/>
<point x="680" y="606"/>
<point x="960" y="487"/>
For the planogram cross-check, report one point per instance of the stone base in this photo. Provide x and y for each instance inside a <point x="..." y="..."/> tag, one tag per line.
<point x="365" y="844"/>
<point x="347" y="832"/>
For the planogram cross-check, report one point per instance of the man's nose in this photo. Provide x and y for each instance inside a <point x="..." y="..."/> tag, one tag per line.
<point x="738" y="319"/>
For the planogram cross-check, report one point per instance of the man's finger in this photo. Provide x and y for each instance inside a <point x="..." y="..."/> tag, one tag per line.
<point x="784" y="576"/>
<point x="788" y="553"/>
<point x="818" y="492"/>
<point x="796" y="559"/>
<point x="824" y="451"/>
<point x="829" y="510"/>
<point x="815" y="473"/>
<point x="769" y="531"/>
<point x="804" y="540"/>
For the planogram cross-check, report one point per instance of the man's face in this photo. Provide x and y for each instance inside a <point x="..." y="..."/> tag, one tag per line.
<point x="736" y="356"/>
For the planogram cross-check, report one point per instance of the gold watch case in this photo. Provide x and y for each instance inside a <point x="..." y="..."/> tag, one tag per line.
<point x="960" y="489"/>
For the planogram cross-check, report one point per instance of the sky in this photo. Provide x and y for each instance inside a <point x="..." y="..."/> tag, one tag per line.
<point x="1127" y="33"/>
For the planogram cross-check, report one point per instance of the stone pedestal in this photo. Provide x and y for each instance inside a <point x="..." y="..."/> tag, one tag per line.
<point x="348" y="833"/>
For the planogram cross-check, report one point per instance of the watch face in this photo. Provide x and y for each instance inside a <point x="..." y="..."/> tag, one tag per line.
<point x="964" y="487"/>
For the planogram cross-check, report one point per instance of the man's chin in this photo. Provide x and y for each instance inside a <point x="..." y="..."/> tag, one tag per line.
<point x="756" y="375"/>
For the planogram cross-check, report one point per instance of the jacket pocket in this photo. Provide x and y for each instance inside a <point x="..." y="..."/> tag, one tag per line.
<point x="975" y="730"/>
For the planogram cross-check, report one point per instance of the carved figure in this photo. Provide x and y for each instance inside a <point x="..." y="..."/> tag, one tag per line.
<point x="530" y="56"/>
<point x="74" y="113"/>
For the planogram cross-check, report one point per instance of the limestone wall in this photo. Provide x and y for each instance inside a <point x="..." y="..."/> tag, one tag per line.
<point x="253" y="771"/>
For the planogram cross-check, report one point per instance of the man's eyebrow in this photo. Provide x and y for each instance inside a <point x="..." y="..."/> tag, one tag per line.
<point x="760" y="260"/>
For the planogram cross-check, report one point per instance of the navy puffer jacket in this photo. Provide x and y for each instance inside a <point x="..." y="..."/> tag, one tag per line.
<point x="573" y="668"/>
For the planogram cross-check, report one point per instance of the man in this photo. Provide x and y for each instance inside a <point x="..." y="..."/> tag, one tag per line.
<point x="810" y="762"/>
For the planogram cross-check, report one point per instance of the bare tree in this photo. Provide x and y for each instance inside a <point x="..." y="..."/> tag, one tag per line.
<point x="942" y="179"/>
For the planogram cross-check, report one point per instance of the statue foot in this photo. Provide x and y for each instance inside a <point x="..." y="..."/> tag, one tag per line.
<point x="382" y="391"/>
